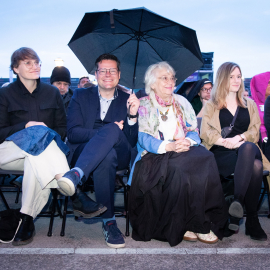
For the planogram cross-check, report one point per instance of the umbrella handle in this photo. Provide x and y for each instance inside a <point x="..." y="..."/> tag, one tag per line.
<point x="130" y="106"/>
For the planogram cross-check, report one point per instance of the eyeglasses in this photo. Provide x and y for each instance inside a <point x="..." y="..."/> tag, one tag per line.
<point x="103" y="71"/>
<point x="167" y="79"/>
<point x="206" y="90"/>
<point x="29" y="64"/>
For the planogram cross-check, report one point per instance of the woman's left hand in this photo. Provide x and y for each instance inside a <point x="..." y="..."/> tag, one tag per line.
<point x="231" y="142"/>
<point x="182" y="145"/>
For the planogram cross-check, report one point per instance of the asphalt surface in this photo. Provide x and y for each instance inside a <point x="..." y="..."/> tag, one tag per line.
<point x="83" y="247"/>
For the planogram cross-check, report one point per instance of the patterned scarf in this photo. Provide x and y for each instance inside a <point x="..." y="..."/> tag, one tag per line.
<point x="149" y="118"/>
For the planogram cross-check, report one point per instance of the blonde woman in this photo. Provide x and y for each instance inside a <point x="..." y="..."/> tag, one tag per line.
<point x="237" y="153"/>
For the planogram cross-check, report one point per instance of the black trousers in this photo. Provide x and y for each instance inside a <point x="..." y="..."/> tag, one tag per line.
<point x="107" y="152"/>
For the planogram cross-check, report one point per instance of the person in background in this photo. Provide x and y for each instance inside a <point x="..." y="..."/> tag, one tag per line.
<point x="32" y="124"/>
<point x="260" y="91"/>
<point x="199" y="101"/>
<point x="246" y="93"/>
<point x="61" y="79"/>
<point x="237" y="153"/>
<point x="267" y="120"/>
<point x="82" y="81"/>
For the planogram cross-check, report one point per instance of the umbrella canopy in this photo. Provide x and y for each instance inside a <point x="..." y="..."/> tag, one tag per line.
<point x="139" y="38"/>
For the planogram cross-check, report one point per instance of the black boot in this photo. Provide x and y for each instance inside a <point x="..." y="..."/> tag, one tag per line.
<point x="234" y="223"/>
<point x="254" y="229"/>
<point x="26" y="231"/>
<point x="227" y="232"/>
<point x="85" y="207"/>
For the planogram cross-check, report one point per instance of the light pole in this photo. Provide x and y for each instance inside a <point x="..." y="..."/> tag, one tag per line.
<point x="59" y="62"/>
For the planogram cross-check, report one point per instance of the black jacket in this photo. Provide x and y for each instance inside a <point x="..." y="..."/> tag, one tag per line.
<point x="18" y="106"/>
<point x="66" y="98"/>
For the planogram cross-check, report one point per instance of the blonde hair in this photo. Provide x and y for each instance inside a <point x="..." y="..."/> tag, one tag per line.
<point x="222" y="86"/>
<point x="150" y="74"/>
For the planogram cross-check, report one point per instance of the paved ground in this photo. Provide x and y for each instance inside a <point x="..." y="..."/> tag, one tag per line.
<point x="83" y="247"/>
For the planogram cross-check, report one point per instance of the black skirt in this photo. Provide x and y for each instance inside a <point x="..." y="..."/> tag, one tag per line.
<point x="176" y="192"/>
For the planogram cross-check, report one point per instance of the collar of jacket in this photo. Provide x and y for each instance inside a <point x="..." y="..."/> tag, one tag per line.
<point x="24" y="89"/>
<point x="214" y="122"/>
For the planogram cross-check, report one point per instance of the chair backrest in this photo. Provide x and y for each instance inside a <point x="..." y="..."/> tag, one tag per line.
<point x="199" y="122"/>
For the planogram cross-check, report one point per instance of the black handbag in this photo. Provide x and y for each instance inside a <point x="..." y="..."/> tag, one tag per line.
<point x="227" y="130"/>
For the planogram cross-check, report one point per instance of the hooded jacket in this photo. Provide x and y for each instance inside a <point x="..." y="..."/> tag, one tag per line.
<point x="258" y="86"/>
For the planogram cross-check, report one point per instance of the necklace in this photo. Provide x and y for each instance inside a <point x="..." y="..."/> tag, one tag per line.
<point x="164" y="116"/>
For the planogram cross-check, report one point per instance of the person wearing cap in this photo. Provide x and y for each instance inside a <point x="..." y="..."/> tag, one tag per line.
<point x="82" y="81"/>
<point x="203" y="89"/>
<point x="61" y="79"/>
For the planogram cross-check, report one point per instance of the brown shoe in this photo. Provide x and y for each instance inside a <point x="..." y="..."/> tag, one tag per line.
<point x="208" y="238"/>
<point x="190" y="236"/>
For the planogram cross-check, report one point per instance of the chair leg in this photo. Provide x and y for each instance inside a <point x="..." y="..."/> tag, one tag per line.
<point x="4" y="199"/>
<point x="262" y="196"/>
<point x="54" y="201"/>
<point x="266" y="185"/>
<point x="64" y="217"/>
<point x="127" y="212"/>
<point x="18" y="195"/>
<point x="59" y="209"/>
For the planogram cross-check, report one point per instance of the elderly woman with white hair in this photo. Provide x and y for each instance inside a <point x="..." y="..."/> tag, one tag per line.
<point x="175" y="192"/>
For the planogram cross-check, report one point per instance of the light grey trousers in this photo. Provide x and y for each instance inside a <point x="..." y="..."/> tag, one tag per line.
<point x="39" y="173"/>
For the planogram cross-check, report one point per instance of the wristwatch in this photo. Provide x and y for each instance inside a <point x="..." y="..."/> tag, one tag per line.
<point x="133" y="116"/>
<point x="242" y="137"/>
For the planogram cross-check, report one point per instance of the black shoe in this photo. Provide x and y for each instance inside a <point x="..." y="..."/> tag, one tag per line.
<point x="85" y="207"/>
<point x="227" y="232"/>
<point x="26" y="231"/>
<point x="254" y="229"/>
<point x="234" y="223"/>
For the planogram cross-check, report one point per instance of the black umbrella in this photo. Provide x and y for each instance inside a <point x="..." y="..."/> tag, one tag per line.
<point x="139" y="38"/>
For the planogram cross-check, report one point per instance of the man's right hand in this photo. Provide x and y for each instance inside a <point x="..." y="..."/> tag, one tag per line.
<point x="204" y="102"/>
<point x="34" y="123"/>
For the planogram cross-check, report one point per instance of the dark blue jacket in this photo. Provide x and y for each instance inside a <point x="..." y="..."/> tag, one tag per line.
<point x="82" y="113"/>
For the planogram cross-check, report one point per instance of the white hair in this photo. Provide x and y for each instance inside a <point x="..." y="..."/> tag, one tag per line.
<point x="150" y="74"/>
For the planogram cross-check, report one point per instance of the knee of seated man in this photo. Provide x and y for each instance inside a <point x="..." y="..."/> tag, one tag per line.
<point x="113" y="128"/>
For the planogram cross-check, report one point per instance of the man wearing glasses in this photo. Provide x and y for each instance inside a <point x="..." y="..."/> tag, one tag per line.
<point x="101" y="135"/>
<point x="202" y="97"/>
